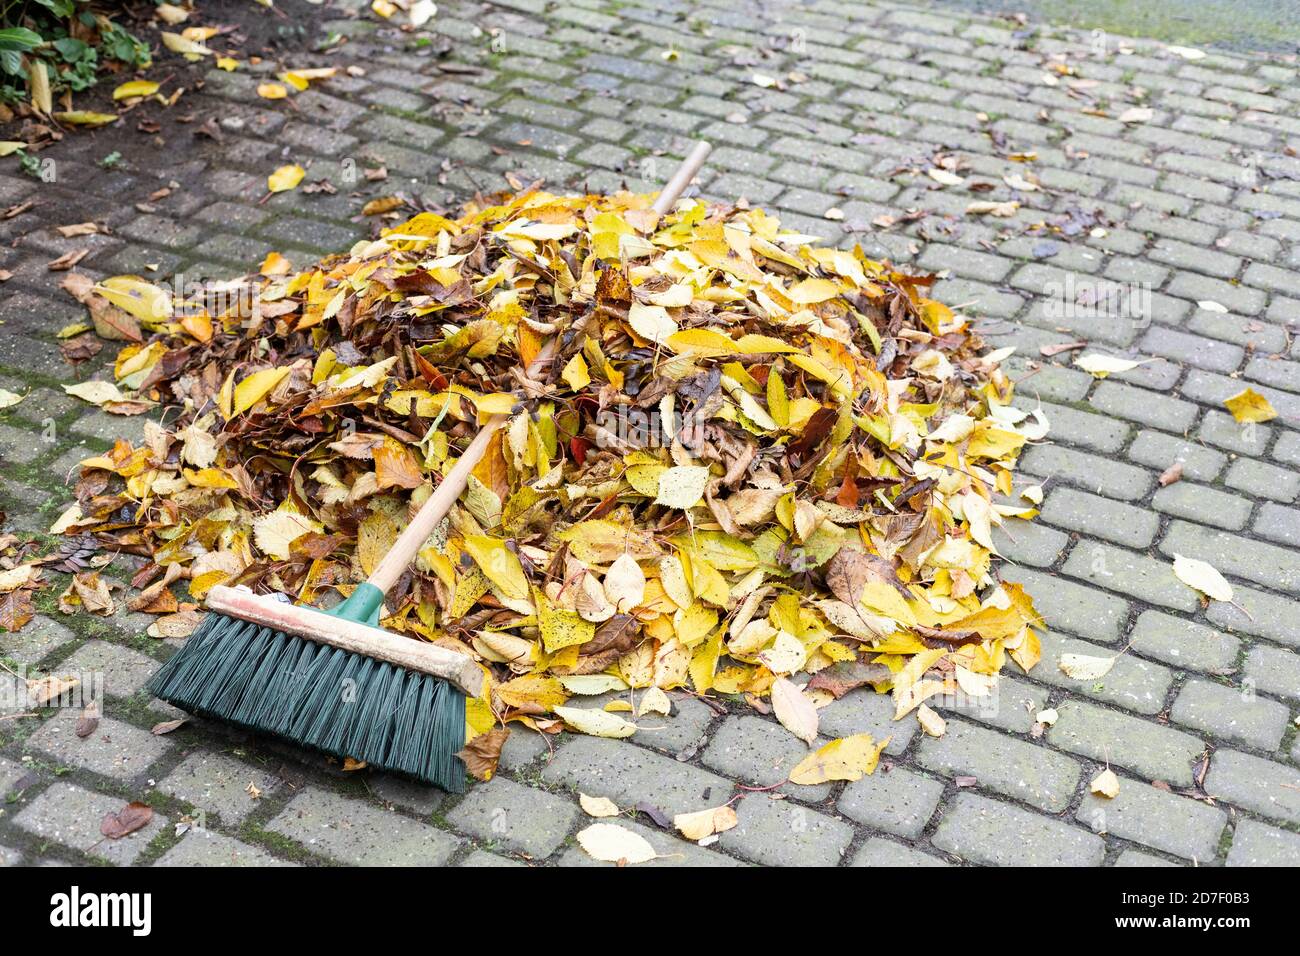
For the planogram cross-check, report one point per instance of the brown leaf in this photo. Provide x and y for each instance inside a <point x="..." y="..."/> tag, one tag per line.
<point x="1047" y="351"/>
<point x="482" y="753"/>
<point x="396" y="466"/>
<point x="843" y="677"/>
<point x="67" y="260"/>
<point x="88" y="722"/>
<point x="167" y="726"/>
<point x="1171" y="474"/>
<point x="15" y="610"/>
<point x="132" y="817"/>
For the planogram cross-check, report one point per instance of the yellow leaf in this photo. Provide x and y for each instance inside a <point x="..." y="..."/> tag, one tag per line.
<point x="256" y="387"/>
<point x="682" y="486"/>
<point x="1200" y="575"/>
<point x="561" y="628"/>
<point x="1102" y="365"/>
<point x="625" y="583"/>
<point x="812" y="291"/>
<point x="651" y="322"/>
<point x="596" y="723"/>
<point x="1250" y="406"/>
<point x="597" y="806"/>
<point x="135" y="88"/>
<point x="271" y="91"/>
<point x="190" y="49"/>
<point x="95" y="392"/>
<point x="275" y="532"/>
<point x="575" y="373"/>
<point x="794" y="709"/>
<point x="537" y="690"/>
<point x="930" y="722"/>
<point x="850" y="758"/>
<point x="1086" y="667"/>
<point x="1105" y="784"/>
<point x="702" y="823"/>
<point x="285" y="178"/>
<point x="86" y="118"/>
<point x="227" y="63"/>
<point x="133" y="295"/>
<point x="499" y="564"/>
<point x="611" y="843"/>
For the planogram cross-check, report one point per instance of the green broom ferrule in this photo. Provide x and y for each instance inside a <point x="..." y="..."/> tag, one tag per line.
<point x="362" y="605"/>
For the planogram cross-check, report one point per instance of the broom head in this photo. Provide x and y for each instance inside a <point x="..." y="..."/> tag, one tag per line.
<point x="260" y="671"/>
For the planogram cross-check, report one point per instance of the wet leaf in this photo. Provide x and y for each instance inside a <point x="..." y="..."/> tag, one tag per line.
<point x="132" y="817"/>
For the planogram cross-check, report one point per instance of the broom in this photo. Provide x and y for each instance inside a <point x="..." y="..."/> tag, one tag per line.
<point x="334" y="680"/>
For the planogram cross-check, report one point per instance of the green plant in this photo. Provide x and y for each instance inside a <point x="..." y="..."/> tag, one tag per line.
<point x="69" y="38"/>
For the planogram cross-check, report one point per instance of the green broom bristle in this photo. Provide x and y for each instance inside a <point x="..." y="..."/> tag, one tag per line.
<point x="331" y="700"/>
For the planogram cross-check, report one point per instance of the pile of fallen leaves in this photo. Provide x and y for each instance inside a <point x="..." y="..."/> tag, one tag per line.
<point x="756" y="468"/>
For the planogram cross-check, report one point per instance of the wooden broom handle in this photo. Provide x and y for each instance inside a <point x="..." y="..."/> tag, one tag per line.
<point x="431" y="513"/>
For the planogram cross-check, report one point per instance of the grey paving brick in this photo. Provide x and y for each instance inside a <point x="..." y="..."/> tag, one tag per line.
<point x="1279" y="524"/>
<point x="1101" y="475"/>
<point x="680" y="730"/>
<point x="1198" y="288"/>
<point x="1090" y="431"/>
<point x="1192" y="349"/>
<point x="1255" y="844"/>
<point x="866" y="712"/>
<point x="761" y="753"/>
<point x="992" y="832"/>
<point x="881" y="852"/>
<point x="1206" y="505"/>
<point x="672" y="851"/>
<point x="1246" y="438"/>
<point x="1260" y="614"/>
<point x="1287" y="448"/>
<point x="199" y="847"/>
<point x="1265" y="564"/>
<point x="1071" y="607"/>
<point x="893" y="799"/>
<point x="40" y="637"/>
<point x="359" y="833"/>
<point x="1273" y="670"/>
<point x="1252" y="783"/>
<point x="1139" y="405"/>
<point x="1153" y="751"/>
<point x="1263" y="480"/>
<point x="1132" y="858"/>
<point x="484" y="858"/>
<point x="217" y="784"/>
<point x="115" y="749"/>
<point x="1156" y="818"/>
<point x="1029" y="542"/>
<point x="1131" y="683"/>
<point x="1231" y="713"/>
<point x="519" y="818"/>
<point x="70" y="816"/>
<point x="1003" y="764"/>
<point x="1100" y="517"/>
<point x="1184" y="644"/>
<point x="629" y="775"/>
<point x="1130" y="573"/>
<point x="419" y="798"/>
<point x="782" y="833"/>
<point x="123" y="671"/>
<point x="1010" y="706"/>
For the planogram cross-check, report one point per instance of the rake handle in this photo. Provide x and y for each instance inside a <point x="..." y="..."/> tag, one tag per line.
<point x="431" y="513"/>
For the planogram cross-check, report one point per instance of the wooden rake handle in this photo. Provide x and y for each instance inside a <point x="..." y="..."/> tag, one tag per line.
<point x="409" y="542"/>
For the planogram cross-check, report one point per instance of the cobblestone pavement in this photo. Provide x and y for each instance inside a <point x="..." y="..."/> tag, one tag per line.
<point x="1193" y="213"/>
